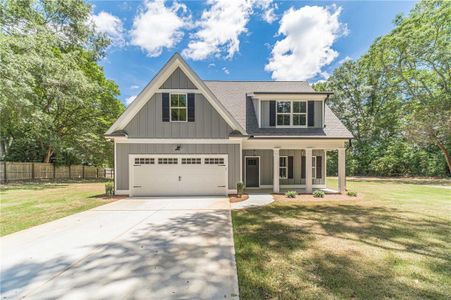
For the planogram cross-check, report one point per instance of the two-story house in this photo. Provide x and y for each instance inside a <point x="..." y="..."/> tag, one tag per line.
<point x="186" y="136"/>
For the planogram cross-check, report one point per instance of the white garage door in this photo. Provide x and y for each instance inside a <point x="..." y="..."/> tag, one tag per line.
<point x="181" y="175"/>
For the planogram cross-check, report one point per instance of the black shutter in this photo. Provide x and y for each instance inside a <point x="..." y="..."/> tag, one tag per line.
<point x="272" y="113"/>
<point x="319" y="167"/>
<point x="302" y="166"/>
<point x="165" y="107"/>
<point x="290" y="167"/>
<point x="191" y="107"/>
<point x="311" y="113"/>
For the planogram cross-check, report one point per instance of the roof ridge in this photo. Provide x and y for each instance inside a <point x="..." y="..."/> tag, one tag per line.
<point x="254" y="80"/>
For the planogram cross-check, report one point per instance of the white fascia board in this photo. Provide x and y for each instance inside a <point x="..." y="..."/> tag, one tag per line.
<point x="153" y="86"/>
<point x="177" y="141"/>
<point x="293" y="96"/>
<point x="293" y="144"/>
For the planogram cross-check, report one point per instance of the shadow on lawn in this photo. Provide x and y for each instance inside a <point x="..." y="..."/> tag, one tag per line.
<point x="341" y="269"/>
<point x="154" y="261"/>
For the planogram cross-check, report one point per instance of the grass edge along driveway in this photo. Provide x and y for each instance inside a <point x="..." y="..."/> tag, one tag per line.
<point x="26" y="205"/>
<point x="394" y="243"/>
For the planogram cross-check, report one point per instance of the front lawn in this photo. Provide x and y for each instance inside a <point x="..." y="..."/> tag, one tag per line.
<point x="27" y="205"/>
<point x="394" y="243"/>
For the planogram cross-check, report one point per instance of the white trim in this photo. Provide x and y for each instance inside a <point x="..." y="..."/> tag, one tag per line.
<point x="180" y="91"/>
<point x="259" y="170"/>
<point x="241" y="161"/>
<point x="122" y="192"/>
<point x="178" y="107"/>
<point x="294" y="96"/>
<point x="286" y="166"/>
<point x="176" y="61"/>
<point x="177" y="141"/>
<point x="259" y="113"/>
<point x="115" y="166"/>
<point x="131" y="158"/>
<point x="291" y="114"/>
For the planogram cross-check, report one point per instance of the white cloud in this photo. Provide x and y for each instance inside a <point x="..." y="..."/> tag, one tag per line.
<point x="211" y="65"/>
<point x="221" y="25"/>
<point x="110" y="25"/>
<point x="157" y="26"/>
<point x="342" y="61"/>
<point x="226" y="71"/>
<point x="134" y="87"/>
<point x="309" y="33"/>
<point x="130" y="99"/>
<point x="268" y="10"/>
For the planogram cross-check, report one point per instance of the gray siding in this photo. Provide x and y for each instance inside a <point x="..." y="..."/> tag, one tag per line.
<point x="266" y="166"/>
<point x="123" y="150"/>
<point x="148" y="122"/>
<point x="317" y="117"/>
<point x="178" y="80"/>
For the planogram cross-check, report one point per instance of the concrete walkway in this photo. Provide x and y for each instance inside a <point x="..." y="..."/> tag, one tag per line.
<point x="255" y="200"/>
<point x="178" y="248"/>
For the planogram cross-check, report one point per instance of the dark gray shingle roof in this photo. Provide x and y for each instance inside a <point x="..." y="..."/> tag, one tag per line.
<point x="232" y="95"/>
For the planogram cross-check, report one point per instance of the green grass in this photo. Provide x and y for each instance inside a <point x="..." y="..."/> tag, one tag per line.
<point x="394" y="243"/>
<point x="26" y="205"/>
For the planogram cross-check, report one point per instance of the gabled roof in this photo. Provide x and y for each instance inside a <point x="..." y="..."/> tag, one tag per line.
<point x="233" y="101"/>
<point x="234" y="96"/>
<point x="176" y="61"/>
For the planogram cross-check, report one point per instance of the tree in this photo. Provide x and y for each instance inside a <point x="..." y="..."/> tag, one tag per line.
<point x="395" y="99"/>
<point x="418" y="52"/>
<point x="55" y="102"/>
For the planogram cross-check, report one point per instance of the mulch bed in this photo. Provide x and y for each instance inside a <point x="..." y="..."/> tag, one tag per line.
<point x="115" y="197"/>
<point x="233" y="198"/>
<point x="310" y="198"/>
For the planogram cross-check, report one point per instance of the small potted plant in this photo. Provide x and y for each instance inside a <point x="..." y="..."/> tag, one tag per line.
<point x="240" y="189"/>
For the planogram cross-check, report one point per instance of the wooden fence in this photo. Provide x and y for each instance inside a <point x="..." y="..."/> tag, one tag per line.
<point x="27" y="171"/>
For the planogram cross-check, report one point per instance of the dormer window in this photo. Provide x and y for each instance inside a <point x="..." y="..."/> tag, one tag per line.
<point x="178" y="108"/>
<point x="291" y="113"/>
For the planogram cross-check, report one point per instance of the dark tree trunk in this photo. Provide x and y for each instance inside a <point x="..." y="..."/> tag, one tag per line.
<point x="446" y="153"/>
<point x="48" y="155"/>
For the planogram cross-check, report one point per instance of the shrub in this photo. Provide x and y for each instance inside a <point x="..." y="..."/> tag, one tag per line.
<point x="318" y="194"/>
<point x="240" y="188"/>
<point x="109" y="188"/>
<point x="291" y="194"/>
<point x="351" y="194"/>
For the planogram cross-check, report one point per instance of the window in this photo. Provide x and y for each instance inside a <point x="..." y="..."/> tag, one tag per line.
<point x="283" y="167"/>
<point x="214" y="161"/>
<point x="291" y="113"/>
<point x="191" y="161"/>
<point x="144" y="161"/>
<point x="167" y="161"/>
<point x="313" y="167"/>
<point x="178" y="107"/>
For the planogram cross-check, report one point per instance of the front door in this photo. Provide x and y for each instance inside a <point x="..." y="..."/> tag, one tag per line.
<point x="252" y="172"/>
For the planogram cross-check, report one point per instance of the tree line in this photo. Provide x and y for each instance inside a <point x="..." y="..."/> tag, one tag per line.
<point x="55" y="102"/>
<point x="395" y="99"/>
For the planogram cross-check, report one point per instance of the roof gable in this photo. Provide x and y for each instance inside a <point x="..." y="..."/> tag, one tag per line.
<point x="175" y="63"/>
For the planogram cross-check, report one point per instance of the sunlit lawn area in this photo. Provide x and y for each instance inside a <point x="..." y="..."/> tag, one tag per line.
<point x="394" y="243"/>
<point x="27" y="205"/>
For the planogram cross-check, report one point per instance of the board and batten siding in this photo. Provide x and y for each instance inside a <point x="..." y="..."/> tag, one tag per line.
<point x="266" y="165"/>
<point x="148" y="123"/>
<point x="178" y="80"/>
<point x="318" y="116"/>
<point x="124" y="149"/>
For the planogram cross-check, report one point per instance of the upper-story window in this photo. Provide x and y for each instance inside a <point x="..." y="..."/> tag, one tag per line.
<point x="178" y="107"/>
<point x="291" y="113"/>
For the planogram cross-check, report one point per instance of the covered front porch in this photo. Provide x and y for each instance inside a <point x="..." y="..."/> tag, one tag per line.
<point x="291" y="166"/>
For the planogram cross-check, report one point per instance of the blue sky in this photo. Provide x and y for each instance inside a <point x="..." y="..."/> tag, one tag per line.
<point x="238" y="39"/>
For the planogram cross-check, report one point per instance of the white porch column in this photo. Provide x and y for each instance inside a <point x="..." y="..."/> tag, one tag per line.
<point x="276" y="170"/>
<point x="341" y="170"/>
<point x="308" y="170"/>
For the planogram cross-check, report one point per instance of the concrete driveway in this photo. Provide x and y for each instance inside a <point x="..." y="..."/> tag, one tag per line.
<point x="158" y="248"/>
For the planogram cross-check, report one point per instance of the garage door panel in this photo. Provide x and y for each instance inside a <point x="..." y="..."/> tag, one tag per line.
<point x="181" y="176"/>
